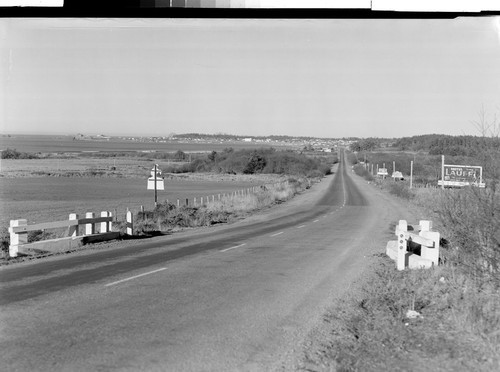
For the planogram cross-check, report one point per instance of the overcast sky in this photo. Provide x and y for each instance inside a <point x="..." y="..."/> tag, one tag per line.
<point x="326" y="78"/>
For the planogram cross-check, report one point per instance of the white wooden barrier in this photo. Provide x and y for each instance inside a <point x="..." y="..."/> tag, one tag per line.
<point x="19" y="229"/>
<point x="420" y="234"/>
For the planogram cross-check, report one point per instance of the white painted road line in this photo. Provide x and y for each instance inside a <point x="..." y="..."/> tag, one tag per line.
<point x="277" y="234"/>
<point x="301" y="226"/>
<point x="228" y="249"/>
<point x="134" y="277"/>
<point x="315" y="220"/>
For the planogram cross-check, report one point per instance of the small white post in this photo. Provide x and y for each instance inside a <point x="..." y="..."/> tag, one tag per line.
<point x="130" y="223"/>
<point x="73" y="230"/>
<point x="430" y="253"/>
<point x="402" y="243"/>
<point x="89" y="227"/>
<point x="17" y="239"/>
<point x="110" y="223"/>
<point x="194" y="202"/>
<point x="104" y="225"/>
<point x="213" y="198"/>
<point x="400" y="262"/>
<point x="178" y="203"/>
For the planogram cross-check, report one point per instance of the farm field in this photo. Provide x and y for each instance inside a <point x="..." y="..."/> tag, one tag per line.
<point x="42" y="199"/>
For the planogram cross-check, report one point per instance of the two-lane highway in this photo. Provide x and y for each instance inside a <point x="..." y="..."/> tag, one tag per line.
<point x="239" y="297"/>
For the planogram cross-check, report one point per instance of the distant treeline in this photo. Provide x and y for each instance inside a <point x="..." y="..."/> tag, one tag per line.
<point x="438" y="144"/>
<point x="259" y="161"/>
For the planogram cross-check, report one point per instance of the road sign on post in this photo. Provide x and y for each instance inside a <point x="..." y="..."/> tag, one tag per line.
<point x="155" y="182"/>
<point x="460" y="175"/>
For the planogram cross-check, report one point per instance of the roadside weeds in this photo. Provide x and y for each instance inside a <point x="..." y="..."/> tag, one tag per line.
<point x="442" y="319"/>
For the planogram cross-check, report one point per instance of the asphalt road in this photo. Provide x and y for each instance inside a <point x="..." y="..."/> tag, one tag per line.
<point x="238" y="297"/>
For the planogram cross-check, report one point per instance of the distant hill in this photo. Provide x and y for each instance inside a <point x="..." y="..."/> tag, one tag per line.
<point x="440" y="144"/>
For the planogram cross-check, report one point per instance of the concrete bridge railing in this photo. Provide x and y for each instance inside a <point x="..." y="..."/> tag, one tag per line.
<point x="416" y="247"/>
<point x="76" y="235"/>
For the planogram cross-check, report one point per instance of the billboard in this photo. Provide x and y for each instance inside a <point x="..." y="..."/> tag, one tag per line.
<point x="461" y="175"/>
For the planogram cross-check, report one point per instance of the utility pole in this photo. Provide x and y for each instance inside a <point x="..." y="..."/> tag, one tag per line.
<point x="442" y="172"/>
<point x="411" y="174"/>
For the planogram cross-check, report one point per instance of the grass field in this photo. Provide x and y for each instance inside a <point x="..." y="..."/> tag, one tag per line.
<point x="49" y="189"/>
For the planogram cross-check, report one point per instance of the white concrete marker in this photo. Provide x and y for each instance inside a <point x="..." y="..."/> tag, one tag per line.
<point x="277" y="234"/>
<point x="134" y="277"/>
<point x="228" y="249"/>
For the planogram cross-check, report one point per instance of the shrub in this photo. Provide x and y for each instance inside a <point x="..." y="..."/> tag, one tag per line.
<point x="14" y="154"/>
<point x="472" y="218"/>
<point x="4" y="241"/>
<point x="361" y="171"/>
<point x="400" y="189"/>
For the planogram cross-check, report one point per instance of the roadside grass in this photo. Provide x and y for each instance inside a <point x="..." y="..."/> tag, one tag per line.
<point x="456" y="329"/>
<point x="167" y="216"/>
<point x="361" y="171"/>
<point x="457" y="321"/>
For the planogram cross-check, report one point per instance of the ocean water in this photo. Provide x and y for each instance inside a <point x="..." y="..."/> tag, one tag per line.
<point x="54" y="144"/>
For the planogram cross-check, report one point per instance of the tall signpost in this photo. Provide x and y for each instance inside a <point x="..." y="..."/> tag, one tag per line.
<point x="155" y="182"/>
<point x="460" y="175"/>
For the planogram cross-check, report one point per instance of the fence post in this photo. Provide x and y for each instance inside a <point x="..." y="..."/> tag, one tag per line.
<point x="17" y="239"/>
<point x="187" y="202"/>
<point x="74" y="229"/>
<point x="178" y="203"/>
<point x="89" y="227"/>
<point x="130" y="224"/>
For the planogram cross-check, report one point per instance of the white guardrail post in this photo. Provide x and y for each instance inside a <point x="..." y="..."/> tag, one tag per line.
<point x="402" y="243"/>
<point x="89" y="227"/>
<point x="17" y="239"/>
<point x="430" y="253"/>
<point x="105" y="226"/>
<point x="73" y="230"/>
<point x="130" y="223"/>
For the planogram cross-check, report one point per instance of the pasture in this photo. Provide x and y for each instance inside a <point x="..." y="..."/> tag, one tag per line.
<point x="49" y="189"/>
<point x="43" y="199"/>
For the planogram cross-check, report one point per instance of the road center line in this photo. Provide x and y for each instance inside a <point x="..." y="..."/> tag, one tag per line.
<point x="277" y="233"/>
<point x="315" y="220"/>
<point x="228" y="249"/>
<point x="134" y="277"/>
<point x="301" y="226"/>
